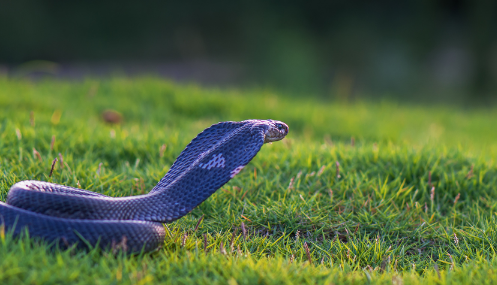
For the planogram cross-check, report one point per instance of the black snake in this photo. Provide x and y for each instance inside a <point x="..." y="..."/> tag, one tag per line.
<point x="65" y="215"/>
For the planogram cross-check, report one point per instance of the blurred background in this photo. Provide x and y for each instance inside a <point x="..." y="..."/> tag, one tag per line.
<point x="414" y="51"/>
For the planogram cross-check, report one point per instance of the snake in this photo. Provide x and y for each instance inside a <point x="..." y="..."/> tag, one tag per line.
<point x="65" y="216"/>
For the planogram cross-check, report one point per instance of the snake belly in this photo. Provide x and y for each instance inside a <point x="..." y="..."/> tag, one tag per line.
<point x="65" y="216"/>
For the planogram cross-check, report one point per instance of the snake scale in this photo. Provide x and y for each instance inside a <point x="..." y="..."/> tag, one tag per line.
<point x="65" y="216"/>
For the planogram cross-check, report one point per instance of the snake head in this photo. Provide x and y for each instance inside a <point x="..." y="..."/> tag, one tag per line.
<point x="275" y="131"/>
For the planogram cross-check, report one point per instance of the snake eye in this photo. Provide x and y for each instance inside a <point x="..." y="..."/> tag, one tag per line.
<point x="279" y="126"/>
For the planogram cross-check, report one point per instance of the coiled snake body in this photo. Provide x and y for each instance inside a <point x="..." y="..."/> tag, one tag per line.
<point x="65" y="215"/>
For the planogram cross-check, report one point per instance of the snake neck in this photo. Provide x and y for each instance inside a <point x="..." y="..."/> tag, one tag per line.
<point x="201" y="171"/>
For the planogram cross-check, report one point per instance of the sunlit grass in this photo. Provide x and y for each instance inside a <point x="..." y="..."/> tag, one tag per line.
<point x="358" y="192"/>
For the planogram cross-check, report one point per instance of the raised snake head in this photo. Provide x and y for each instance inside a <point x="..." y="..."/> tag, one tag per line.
<point x="275" y="131"/>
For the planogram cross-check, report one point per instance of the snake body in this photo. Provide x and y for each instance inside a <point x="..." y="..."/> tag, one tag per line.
<point x="65" y="215"/>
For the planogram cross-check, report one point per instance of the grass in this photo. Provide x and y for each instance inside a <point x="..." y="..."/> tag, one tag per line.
<point x="412" y="199"/>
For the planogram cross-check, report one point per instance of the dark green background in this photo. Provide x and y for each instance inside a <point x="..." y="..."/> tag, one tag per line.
<point x="411" y="50"/>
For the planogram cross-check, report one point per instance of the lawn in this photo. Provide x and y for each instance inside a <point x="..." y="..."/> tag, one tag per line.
<point x="359" y="192"/>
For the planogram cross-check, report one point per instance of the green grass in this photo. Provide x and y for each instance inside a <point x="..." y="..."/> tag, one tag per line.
<point x="375" y="222"/>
